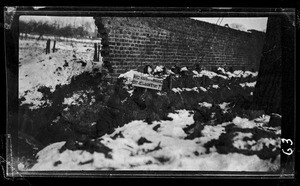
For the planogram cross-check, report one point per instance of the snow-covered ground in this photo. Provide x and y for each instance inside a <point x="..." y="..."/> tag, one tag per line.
<point x="162" y="146"/>
<point x="39" y="69"/>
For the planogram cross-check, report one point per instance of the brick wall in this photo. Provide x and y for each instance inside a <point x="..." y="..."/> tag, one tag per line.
<point x="134" y="42"/>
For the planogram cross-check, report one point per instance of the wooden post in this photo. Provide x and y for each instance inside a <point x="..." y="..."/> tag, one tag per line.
<point x="169" y="80"/>
<point x="53" y="49"/>
<point x="48" y="46"/>
<point x="98" y="54"/>
<point x="95" y="51"/>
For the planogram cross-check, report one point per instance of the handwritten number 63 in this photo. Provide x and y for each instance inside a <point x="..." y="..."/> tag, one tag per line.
<point x="289" y="151"/>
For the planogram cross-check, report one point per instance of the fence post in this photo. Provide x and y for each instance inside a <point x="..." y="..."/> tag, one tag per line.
<point x="169" y="80"/>
<point x="53" y="49"/>
<point x="48" y="46"/>
<point x="98" y="53"/>
<point x="95" y="52"/>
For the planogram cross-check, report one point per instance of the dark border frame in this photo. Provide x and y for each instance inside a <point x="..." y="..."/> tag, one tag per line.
<point x="11" y="47"/>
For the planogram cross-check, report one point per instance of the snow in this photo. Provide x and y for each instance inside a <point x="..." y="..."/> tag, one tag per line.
<point x="275" y="114"/>
<point x="215" y="86"/>
<point x="70" y="160"/>
<point x="177" y="90"/>
<point x="192" y="89"/>
<point x="129" y="75"/>
<point x="248" y="73"/>
<point x="165" y="149"/>
<point x="170" y="72"/>
<point x="238" y="140"/>
<point x="230" y="162"/>
<point x="253" y="145"/>
<point x="93" y="100"/>
<point x="203" y="89"/>
<point x="244" y="122"/>
<point x="236" y="73"/>
<point x="240" y="73"/>
<point x="195" y="72"/>
<point x="169" y="137"/>
<point x="266" y="142"/>
<point x="224" y="106"/>
<point x="174" y="128"/>
<point x="222" y="70"/>
<point x="260" y="122"/>
<point x="39" y="69"/>
<point x="79" y="97"/>
<point x="183" y="69"/>
<point x="211" y="132"/>
<point x="263" y="119"/>
<point x="161" y="93"/>
<point x="130" y="92"/>
<point x="34" y="97"/>
<point x="196" y="89"/>
<point x="252" y="84"/>
<point x="205" y="104"/>
<point x="61" y="39"/>
<point x="158" y="68"/>
<point x="208" y="73"/>
<point x="74" y="100"/>
<point x="49" y="151"/>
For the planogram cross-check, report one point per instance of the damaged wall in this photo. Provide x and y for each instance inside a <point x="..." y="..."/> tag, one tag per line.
<point x="136" y="41"/>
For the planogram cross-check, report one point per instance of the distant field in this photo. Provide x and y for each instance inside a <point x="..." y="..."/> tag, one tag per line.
<point x="45" y="37"/>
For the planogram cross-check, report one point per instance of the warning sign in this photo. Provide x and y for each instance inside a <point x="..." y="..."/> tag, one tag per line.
<point x="144" y="81"/>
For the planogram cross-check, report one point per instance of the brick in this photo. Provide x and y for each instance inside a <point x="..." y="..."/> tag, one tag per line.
<point x="180" y="40"/>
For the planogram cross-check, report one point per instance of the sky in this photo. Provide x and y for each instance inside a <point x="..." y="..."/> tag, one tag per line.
<point x="256" y="23"/>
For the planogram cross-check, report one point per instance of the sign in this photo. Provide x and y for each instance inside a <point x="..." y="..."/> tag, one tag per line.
<point x="144" y="81"/>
